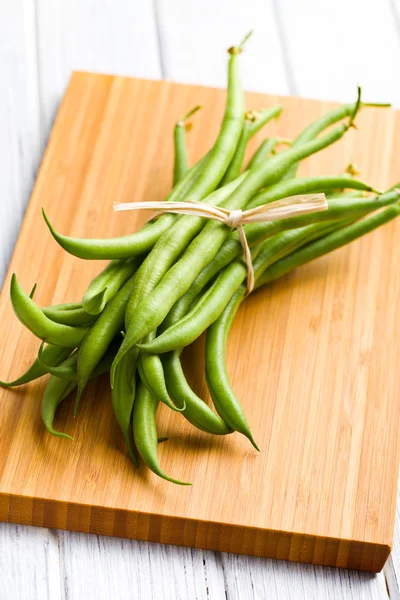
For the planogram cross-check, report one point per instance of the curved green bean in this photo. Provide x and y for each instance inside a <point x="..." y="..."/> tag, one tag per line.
<point x="123" y="398"/>
<point x="145" y="431"/>
<point x="52" y="356"/>
<point x="133" y="244"/>
<point x="56" y="391"/>
<point x="33" y="318"/>
<point x="196" y="411"/>
<point x="69" y="314"/>
<point x="105" y="285"/>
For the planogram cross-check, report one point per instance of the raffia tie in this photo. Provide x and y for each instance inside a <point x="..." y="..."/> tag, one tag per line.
<point x="293" y="206"/>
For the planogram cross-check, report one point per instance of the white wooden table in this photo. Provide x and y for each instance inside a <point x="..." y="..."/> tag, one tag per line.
<point x="311" y="48"/>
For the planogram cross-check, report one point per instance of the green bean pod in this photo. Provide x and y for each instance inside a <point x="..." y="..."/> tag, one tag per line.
<point x="145" y="431"/>
<point x="205" y="312"/>
<point x="52" y="356"/>
<point x="262" y="153"/>
<point x="104" y="287"/>
<point x="253" y="122"/>
<point x="107" y="326"/>
<point x="133" y="244"/>
<point x="308" y="185"/>
<point x="152" y="374"/>
<point x="56" y="391"/>
<point x="328" y="244"/>
<point x="33" y="318"/>
<point x="168" y="249"/>
<point x="70" y="372"/>
<point x="196" y="411"/>
<point x="123" y="397"/>
<point x="181" y="159"/>
<point x="225" y="401"/>
<point x="68" y="314"/>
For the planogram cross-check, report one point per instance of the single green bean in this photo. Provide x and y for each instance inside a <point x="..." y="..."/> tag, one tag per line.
<point x="262" y="153"/>
<point x="33" y="318"/>
<point x="133" y="244"/>
<point x="152" y="374"/>
<point x="307" y="185"/>
<point x="104" y="287"/>
<point x="225" y="401"/>
<point x="107" y="326"/>
<point x="123" y="398"/>
<point x="52" y="356"/>
<point x="69" y="371"/>
<point x="196" y="411"/>
<point x="56" y="391"/>
<point x="69" y="314"/>
<point x="181" y="159"/>
<point x="253" y="122"/>
<point x="145" y="431"/>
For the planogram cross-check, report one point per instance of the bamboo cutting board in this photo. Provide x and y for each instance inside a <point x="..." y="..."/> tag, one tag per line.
<point x="313" y="357"/>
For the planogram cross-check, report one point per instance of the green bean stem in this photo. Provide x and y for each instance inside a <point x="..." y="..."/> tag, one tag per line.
<point x="181" y="159"/>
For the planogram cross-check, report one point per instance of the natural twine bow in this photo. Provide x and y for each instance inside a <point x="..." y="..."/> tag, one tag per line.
<point x="281" y="209"/>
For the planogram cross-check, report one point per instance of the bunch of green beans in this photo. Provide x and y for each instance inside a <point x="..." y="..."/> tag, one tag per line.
<point x="180" y="276"/>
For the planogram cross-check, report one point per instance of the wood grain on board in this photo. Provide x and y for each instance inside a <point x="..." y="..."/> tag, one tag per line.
<point x="313" y="357"/>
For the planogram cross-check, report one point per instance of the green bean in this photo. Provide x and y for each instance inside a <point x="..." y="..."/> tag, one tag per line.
<point x="315" y="128"/>
<point x="181" y="160"/>
<point x="33" y="290"/>
<point x="69" y="371"/>
<point x="213" y="302"/>
<point x="196" y="411"/>
<point x="68" y="314"/>
<point x="156" y="305"/>
<point x="205" y="312"/>
<point x="307" y="185"/>
<point x="152" y="374"/>
<point x="225" y="401"/>
<point x="150" y="368"/>
<point x="167" y="250"/>
<point x="253" y="122"/>
<point x="56" y="391"/>
<point x="33" y="318"/>
<point x="145" y="431"/>
<point x="52" y="356"/>
<point x="104" y="287"/>
<point x="224" y="398"/>
<point x="174" y="241"/>
<point x="123" y="398"/>
<point x="338" y="208"/>
<point x="133" y="244"/>
<point x="328" y="244"/>
<point x="262" y="153"/>
<point x="95" y="344"/>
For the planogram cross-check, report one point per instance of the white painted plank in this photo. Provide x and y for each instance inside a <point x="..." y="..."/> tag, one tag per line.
<point x="194" y="37"/>
<point x="102" y="568"/>
<point x="20" y="139"/>
<point x="333" y="46"/>
<point x="29" y="563"/>
<point x="392" y="567"/>
<point x="254" y="578"/>
<point x="92" y="35"/>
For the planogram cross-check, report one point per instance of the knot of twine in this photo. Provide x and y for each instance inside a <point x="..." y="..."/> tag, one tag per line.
<point x="280" y="209"/>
